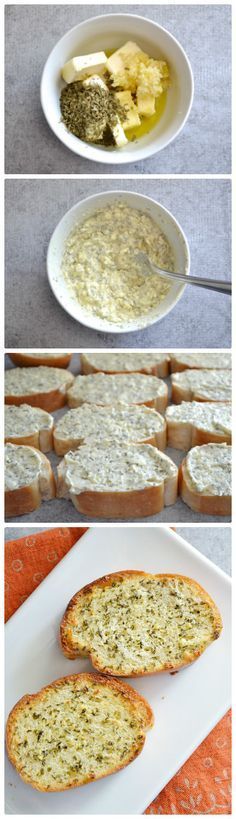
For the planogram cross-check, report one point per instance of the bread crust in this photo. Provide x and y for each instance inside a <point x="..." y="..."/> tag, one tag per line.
<point x="132" y="504"/>
<point x="198" y="502"/>
<point x="133" y="698"/>
<point x="27" y="360"/>
<point x="161" y="370"/>
<point x="42" y="440"/>
<point x="26" y="499"/>
<point x="69" y="619"/>
<point x="49" y="401"/>
<point x="186" y="435"/>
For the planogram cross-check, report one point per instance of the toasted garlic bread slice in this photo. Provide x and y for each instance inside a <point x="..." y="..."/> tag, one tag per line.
<point x="92" y="424"/>
<point x="37" y="359"/>
<point x="201" y="385"/>
<point x="200" y="361"/>
<point x="44" y="387"/>
<point x="77" y="729"/>
<point x="194" y="423"/>
<point x="205" y="479"/>
<point x="28" y="479"/>
<point x="27" y="425"/>
<point x="105" y="390"/>
<point x="118" y="481"/>
<point x="132" y="623"/>
<point x="113" y="363"/>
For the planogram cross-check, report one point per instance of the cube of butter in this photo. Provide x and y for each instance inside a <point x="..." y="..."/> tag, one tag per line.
<point x="131" y="117"/>
<point x="81" y="67"/>
<point x="122" y="57"/>
<point x="145" y="104"/>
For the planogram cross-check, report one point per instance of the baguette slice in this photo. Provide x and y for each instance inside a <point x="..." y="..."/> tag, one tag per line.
<point x="92" y="424"/>
<point x="194" y="423"/>
<point x="36" y="359"/>
<point x="76" y="730"/>
<point x="200" y="361"/>
<point x="201" y="385"/>
<point x="118" y="481"/>
<point x="44" y="387"/>
<point x="27" y="425"/>
<point x="131" y="623"/>
<point x="205" y="479"/>
<point x="28" y="479"/>
<point x="105" y="390"/>
<point x="113" y="363"/>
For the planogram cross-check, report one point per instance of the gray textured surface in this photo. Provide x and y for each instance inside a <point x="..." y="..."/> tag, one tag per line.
<point x="33" y="316"/>
<point x="204" y="144"/>
<point x="60" y="510"/>
<point x="213" y="542"/>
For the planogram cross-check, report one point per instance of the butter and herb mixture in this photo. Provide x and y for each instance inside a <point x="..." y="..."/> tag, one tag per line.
<point x="124" y="362"/>
<point x="109" y="100"/>
<point x="143" y="623"/>
<point x="75" y="732"/>
<point x="209" y="469"/>
<point x="101" y="268"/>
<point x="97" y="424"/>
<point x="215" y="384"/>
<point x="28" y="380"/>
<point x="23" y="419"/>
<point x="23" y="469"/>
<point x="115" y="469"/>
<point x="99" y="388"/>
<point x="206" y="416"/>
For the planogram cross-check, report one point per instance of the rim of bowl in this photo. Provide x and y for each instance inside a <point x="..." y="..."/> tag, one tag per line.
<point x="86" y="322"/>
<point x="85" y="147"/>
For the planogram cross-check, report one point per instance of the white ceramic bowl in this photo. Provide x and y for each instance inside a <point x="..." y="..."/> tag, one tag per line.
<point x="77" y="215"/>
<point x="109" y="31"/>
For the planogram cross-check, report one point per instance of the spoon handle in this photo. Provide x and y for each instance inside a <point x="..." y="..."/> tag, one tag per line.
<point x="211" y="284"/>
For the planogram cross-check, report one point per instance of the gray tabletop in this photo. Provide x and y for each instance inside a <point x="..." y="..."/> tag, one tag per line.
<point x="204" y="144"/>
<point x="33" y="316"/>
<point x="62" y="510"/>
<point x="214" y="543"/>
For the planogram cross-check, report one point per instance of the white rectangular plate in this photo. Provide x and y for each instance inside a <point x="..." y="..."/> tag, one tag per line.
<point x="186" y="705"/>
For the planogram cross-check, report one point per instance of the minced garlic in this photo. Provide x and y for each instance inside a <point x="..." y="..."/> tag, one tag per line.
<point x="101" y="268"/>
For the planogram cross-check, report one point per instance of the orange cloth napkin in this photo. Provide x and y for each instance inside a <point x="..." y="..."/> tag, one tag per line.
<point x="202" y="786"/>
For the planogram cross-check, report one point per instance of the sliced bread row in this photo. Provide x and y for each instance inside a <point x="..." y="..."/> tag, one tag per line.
<point x="152" y="363"/>
<point x="50" y="388"/>
<point x="120" y="481"/>
<point x="185" y="425"/>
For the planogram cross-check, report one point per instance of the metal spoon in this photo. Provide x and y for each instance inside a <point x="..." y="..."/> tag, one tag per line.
<point x="211" y="284"/>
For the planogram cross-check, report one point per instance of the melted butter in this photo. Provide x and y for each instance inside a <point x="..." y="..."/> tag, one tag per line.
<point x="147" y="123"/>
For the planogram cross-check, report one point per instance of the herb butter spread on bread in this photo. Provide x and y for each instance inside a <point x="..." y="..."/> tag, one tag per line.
<point x="196" y="422"/>
<point x="93" y="424"/>
<point x="117" y="480"/>
<point x="44" y="387"/>
<point x="28" y="479"/>
<point x="132" y="388"/>
<point x="28" y="425"/>
<point x="30" y="380"/>
<point x="209" y="468"/>
<point x="151" y="363"/>
<point x="205" y="361"/>
<point x="132" y="623"/>
<point x="205" y="479"/>
<point x="22" y="465"/>
<point x="201" y="385"/>
<point x="76" y="730"/>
